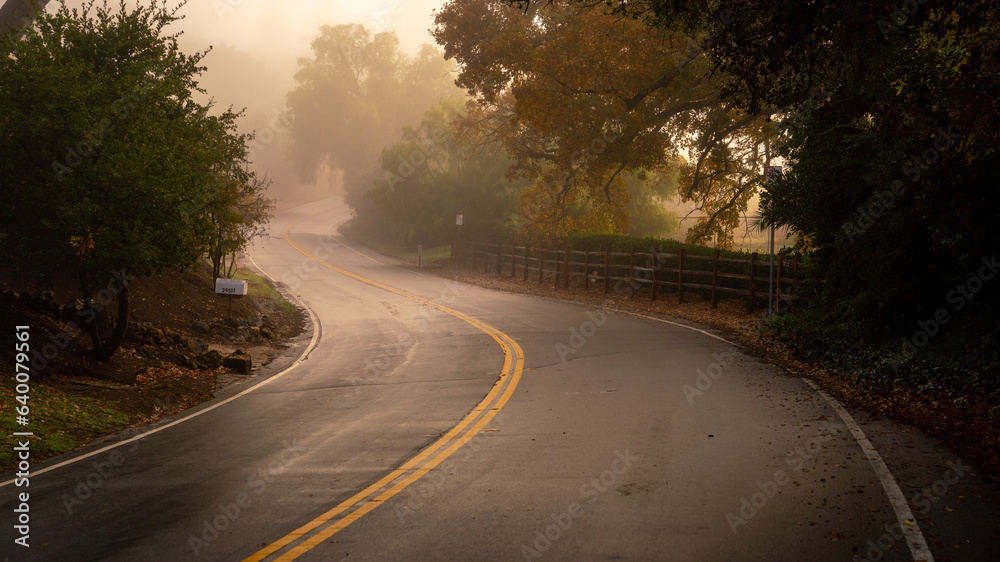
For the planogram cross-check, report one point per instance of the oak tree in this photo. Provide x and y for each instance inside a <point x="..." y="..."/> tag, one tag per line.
<point x="581" y="98"/>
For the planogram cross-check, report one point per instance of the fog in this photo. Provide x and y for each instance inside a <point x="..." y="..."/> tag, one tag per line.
<point x="255" y="48"/>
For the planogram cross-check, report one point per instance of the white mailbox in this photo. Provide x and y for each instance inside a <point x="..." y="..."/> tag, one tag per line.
<point x="232" y="287"/>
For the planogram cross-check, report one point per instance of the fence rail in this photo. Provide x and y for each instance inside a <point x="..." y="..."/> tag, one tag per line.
<point x="636" y="272"/>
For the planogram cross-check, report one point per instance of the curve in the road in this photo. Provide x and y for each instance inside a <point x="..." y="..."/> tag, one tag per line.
<point x="321" y="528"/>
<point x="188" y="416"/>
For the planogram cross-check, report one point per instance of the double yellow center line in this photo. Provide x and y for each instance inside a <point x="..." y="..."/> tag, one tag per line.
<point x="301" y="540"/>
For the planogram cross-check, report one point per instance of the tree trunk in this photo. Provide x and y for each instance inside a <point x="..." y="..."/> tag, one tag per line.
<point x="121" y="326"/>
<point x="104" y="349"/>
<point x="88" y="317"/>
<point x="232" y="267"/>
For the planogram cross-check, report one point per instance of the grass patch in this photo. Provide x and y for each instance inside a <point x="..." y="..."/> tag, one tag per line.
<point x="61" y="420"/>
<point x="284" y="315"/>
<point x="382" y="246"/>
<point x="437" y="253"/>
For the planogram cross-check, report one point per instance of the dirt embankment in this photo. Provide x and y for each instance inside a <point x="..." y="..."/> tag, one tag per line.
<point x="181" y="348"/>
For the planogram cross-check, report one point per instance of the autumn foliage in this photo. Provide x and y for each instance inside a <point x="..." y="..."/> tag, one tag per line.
<point x="582" y="99"/>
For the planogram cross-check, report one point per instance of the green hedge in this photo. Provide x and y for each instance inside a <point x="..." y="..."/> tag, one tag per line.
<point x="597" y="242"/>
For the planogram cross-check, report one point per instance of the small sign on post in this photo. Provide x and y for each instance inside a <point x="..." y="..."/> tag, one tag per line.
<point x="771" y="172"/>
<point x="459" y="219"/>
<point x="232" y="288"/>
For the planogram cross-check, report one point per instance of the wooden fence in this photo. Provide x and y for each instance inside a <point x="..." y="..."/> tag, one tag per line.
<point x="637" y="273"/>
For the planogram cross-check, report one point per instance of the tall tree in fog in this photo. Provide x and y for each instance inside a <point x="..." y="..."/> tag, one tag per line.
<point x="430" y="176"/>
<point x="352" y="98"/>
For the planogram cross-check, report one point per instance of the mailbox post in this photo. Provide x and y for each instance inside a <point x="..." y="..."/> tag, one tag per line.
<point x="231" y="288"/>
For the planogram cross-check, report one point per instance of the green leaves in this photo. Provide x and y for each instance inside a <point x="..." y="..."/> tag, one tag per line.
<point x="101" y="142"/>
<point x="431" y="176"/>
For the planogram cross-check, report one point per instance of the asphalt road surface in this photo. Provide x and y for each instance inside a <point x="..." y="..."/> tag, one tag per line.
<point x="421" y="419"/>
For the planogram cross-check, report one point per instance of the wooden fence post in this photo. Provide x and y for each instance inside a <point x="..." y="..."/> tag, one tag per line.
<point x="555" y="267"/>
<point x="499" y="257"/>
<point x="753" y="269"/>
<point x="715" y="280"/>
<point x="607" y="270"/>
<point x="586" y="271"/>
<point x="541" y="266"/>
<point x="795" y="274"/>
<point x="680" y="277"/>
<point x="781" y="271"/>
<point x="527" y="259"/>
<point x="513" y="259"/>
<point x="652" y="253"/>
<point x="566" y="268"/>
<point x="631" y="266"/>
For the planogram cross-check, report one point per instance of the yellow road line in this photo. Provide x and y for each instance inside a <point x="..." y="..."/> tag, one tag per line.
<point x="510" y="374"/>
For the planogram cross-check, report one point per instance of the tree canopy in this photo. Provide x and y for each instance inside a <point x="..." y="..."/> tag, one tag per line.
<point x="352" y="98"/>
<point x="581" y="99"/>
<point x="431" y="175"/>
<point x="111" y="169"/>
<point x="889" y="125"/>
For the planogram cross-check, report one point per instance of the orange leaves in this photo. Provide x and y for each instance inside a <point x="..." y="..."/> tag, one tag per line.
<point x="83" y="245"/>
<point x="579" y="98"/>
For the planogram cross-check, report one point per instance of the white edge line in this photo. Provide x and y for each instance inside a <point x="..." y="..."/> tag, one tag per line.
<point x="655" y="319"/>
<point x="348" y="247"/>
<point x="344" y="243"/>
<point x="907" y="522"/>
<point x="302" y="357"/>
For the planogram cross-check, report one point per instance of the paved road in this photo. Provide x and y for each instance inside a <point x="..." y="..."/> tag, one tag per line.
<point x="437" y="421"/>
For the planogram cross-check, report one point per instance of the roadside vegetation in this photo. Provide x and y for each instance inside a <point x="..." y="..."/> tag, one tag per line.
<point x="884" y="125"/>
<point x="112" y="170"/>
<point x="74" y="400"/>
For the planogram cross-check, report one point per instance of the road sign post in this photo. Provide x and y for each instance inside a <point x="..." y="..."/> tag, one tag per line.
<point x="770" y="172"/>
<point x="459" y="219"/>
